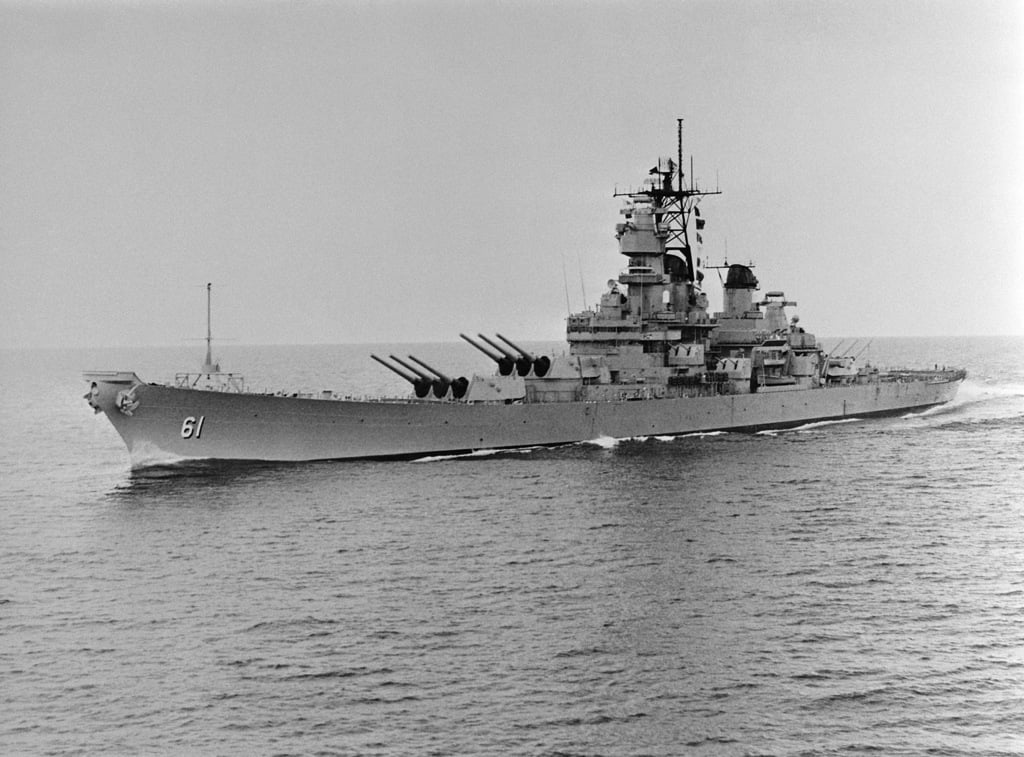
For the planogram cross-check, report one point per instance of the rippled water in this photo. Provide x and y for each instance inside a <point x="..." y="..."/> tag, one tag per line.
<point x="843" y="588"/>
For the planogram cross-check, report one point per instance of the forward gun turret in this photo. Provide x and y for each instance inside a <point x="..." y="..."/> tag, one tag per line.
<point x="515" y="360"/>
<point x="506" y="363"/>
<point x="540" y="365"/>
<point x="442" y="383"/>
<point x="432" y="382"/>
<point x="421" y="384"/>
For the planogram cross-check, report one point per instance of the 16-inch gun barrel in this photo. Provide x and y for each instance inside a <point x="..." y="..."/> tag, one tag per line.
<point x="443" y="383"/>
<point x="420" y="384"/>
<point x="491" y="355"/>
<point x="541" y="365"/>
<point x="507" y="361"/>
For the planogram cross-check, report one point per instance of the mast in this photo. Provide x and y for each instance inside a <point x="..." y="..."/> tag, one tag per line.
<point x="209" y="366"/>
<point x="675" y="202"/>
<point x="685" y="216"/>
<point x="679" y="153"/>
<point x="662" y="278"/>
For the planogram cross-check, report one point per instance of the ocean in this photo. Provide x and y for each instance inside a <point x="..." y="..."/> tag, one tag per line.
<point x="837" y="589"/>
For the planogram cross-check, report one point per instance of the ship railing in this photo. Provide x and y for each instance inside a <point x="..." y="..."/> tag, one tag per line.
<point x="939" y="374"/>
<point x="329" y="395"/>
<point x="708" y="389"/>
<point x="690" y="391"/>
<point x="216" y="382"/>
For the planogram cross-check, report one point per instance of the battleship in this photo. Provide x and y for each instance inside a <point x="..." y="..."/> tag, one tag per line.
<point x="648" y="360"/>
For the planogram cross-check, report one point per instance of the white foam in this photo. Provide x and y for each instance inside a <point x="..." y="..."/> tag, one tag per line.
<point x="691" y="435"/>
<point x="819" y="424"/>
<point x="475" y="453"/>
<point x="976" y="391"/>
<point x="146" y="454"/>
<point x="604" y="442"/>
<point x="806" y="427"/>
<point x="459" y="456"/>
<point x="928" y="411"/>
<point x="977" y="402"/>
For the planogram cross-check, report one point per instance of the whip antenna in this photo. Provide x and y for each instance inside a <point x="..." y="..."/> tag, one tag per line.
<point x="565" y="280"/>
<point x="583" y="288"/>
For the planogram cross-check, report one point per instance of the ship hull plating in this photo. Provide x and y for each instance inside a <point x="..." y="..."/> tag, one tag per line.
<point x="168" y="424"/>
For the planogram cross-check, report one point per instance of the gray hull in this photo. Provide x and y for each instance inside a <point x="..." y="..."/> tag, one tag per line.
<point x="169" y="423"/>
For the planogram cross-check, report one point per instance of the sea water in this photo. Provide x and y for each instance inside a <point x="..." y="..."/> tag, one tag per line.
<point x="843" y="588"/>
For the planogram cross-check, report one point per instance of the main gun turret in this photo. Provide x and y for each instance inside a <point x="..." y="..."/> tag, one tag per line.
<point x="541" y="365"/>
<point x="442" y="383"/>
<point x="421" y="384"/>
<point x="506" y="363"/>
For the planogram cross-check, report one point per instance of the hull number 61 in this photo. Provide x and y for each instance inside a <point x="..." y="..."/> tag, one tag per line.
<point x="192" y="427"/>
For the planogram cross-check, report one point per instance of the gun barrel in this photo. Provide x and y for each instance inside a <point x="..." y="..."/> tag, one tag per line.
<point x="410" y="378"/>
<point x="495" y="357"/>
<point x="432" y="370"/>
<point x="499" y="348"/>
<point x="412" y="368"/>
<point x="863" y="350"/>
<point x="516" y="347"/>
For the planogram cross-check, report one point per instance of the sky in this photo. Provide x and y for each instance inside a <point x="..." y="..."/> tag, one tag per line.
<point x="405" y="171"/>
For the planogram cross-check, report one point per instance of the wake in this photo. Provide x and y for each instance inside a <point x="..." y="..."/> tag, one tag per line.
<point x="977" y="402"/>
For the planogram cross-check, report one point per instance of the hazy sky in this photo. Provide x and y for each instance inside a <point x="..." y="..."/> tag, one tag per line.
<point x="403" y="171"/>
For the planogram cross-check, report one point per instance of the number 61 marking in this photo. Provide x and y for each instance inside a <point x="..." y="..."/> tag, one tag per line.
<point x="192" y="428"/>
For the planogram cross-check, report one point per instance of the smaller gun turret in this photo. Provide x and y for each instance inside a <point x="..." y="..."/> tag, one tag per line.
<point x="541" y="365"/>
<point x="443" y="383"/>
<point x="420" y="384"/>
<point x="506" y="364"/>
